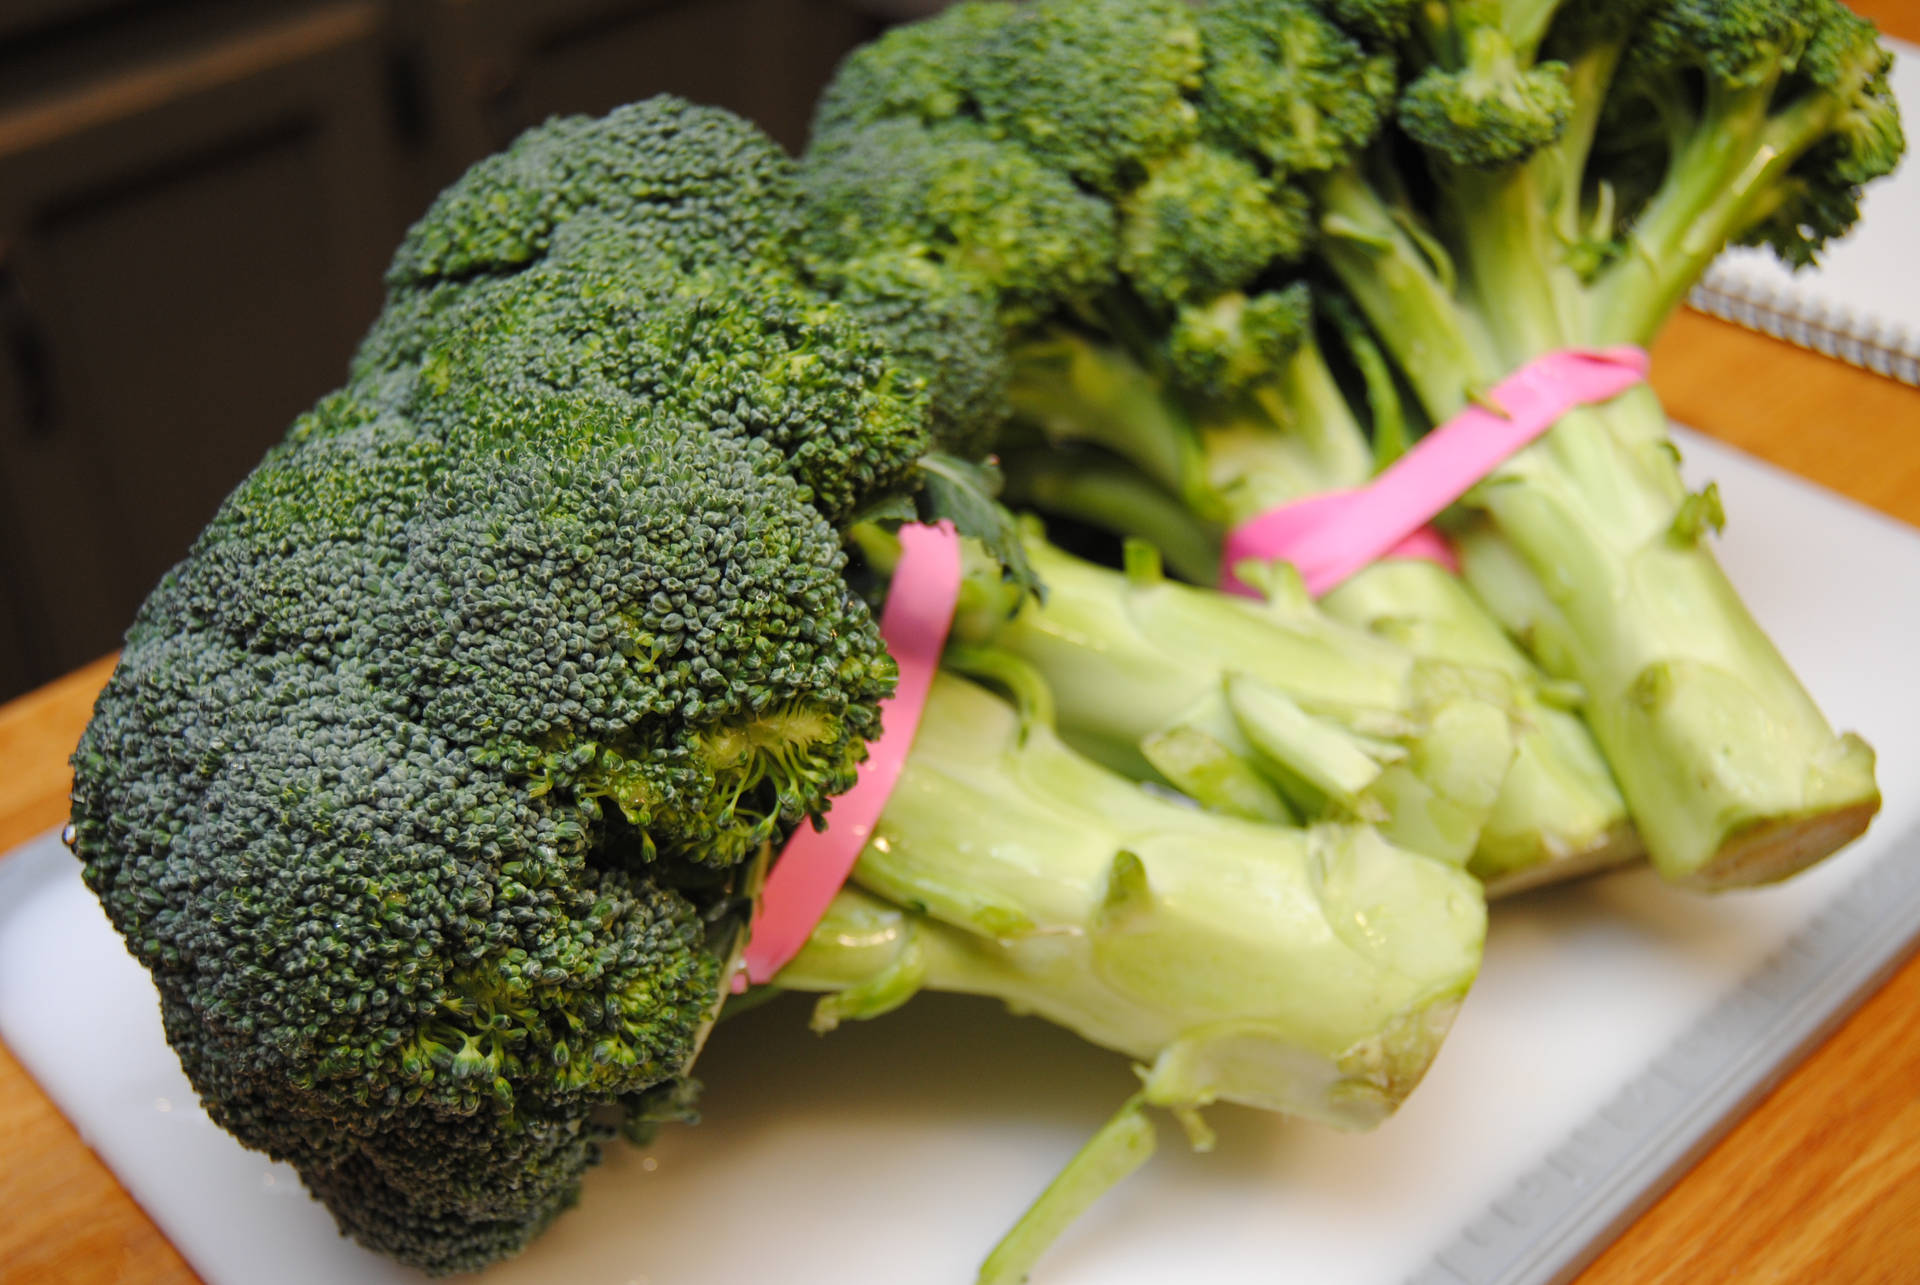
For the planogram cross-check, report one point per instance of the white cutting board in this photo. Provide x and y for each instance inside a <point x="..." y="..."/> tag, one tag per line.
<point x="899" y="1150"/>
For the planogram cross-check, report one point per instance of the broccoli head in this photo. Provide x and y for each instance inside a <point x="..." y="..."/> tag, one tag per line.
<point x="429" y="785"/>
<point x="985" y="209"/>
<point x="916" y="71"/>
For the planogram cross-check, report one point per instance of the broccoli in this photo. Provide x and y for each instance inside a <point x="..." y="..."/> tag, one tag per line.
<point x="430" y="784"/>
<point x="1006" y="865"/>
<point x="1183" y="342"/>
<point x="1362" y="216"/>
<point x="1570" y="170"/>
<point x="437" y="783"/>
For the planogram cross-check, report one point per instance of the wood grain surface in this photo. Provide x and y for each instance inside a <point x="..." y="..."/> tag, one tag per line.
<point x="1819" y="1185"/>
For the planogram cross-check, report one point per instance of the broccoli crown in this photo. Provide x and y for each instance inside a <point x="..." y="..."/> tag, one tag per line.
<point x="656" y="186"/>
<point x="1735" y="46"/>
<point x="1091" y="87"/>
<point x="698" y="182"/>
<point x="1381" y="21"/>
<point x="915" y="71"/>
<point x="746" y="354"/>
<point x="987" y="210"/>
<point x="1286" y="84"/>
<point x="424" y="782"/>
<point x="1205" y="222"/>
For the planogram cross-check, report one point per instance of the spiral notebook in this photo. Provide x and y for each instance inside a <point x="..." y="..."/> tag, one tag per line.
<point x="1862" y="303"/>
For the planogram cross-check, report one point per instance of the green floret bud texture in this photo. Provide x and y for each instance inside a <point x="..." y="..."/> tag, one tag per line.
<point x="1094" y="88"/>
<point x="1205" y="222"/>
<point x="1287" y="85"/>
<point x="1492" y="112"/>
<point x="420" y="780"/>
<point x="917" y="71"/>
<point x="1221" y="348"/>
<point x="940" y="326"/>
<point x="696" y="182"/>
<point x="985" y="209"/>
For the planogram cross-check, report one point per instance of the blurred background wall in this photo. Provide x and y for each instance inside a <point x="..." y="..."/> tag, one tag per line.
<point x="197" y="200"/>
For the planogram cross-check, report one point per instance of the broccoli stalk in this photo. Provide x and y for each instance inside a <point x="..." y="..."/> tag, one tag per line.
<point x="1559" y="812"/>
<point x="1312" y="972"/>
<point x="1270" y="711"/>
<point x="1585" y="165"/>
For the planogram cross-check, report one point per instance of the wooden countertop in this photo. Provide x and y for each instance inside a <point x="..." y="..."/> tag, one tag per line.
<point x="1819" y="1185"/>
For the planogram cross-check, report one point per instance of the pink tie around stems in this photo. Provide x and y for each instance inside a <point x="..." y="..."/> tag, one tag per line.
<point x="1329" y="537"/>
<point x="815" y="863"/>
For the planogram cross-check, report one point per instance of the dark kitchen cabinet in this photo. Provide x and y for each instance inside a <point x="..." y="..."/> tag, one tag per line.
<point x="197" y="199"/>
<point x="502" y="65"/>
<point x="188" y="250"/>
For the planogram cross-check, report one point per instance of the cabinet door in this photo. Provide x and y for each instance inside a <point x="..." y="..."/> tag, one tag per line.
<point x="188" y="252"/>
<point x="504" y="65"/>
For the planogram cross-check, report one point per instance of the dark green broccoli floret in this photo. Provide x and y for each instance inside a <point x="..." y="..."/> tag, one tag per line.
<point x="425" y="785"/>
<point x="1801" y="85"/>
<point x="940" y="326"/>
<point x="670" y="185"/>
<point x="1380" y="21"/>
<point x="700" y="183"/>
<point x="752" y="355"/>
<point x="1485" y="109"/>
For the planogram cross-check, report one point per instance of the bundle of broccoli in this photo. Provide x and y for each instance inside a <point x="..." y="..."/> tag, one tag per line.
<point x="1278" y="238"/>
<point x="436" y="787"/>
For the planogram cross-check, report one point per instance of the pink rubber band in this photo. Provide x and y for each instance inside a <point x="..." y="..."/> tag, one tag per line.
<point x="1329" y="537"/>
<point x="815" y="863"/>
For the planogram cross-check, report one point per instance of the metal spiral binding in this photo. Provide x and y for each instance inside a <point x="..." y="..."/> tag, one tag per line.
<point x="1893" y="351"/>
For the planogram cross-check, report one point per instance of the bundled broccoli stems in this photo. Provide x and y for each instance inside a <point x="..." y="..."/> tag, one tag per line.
<point x="1309" y="971"/>
<point x="1271" y="711"/>
<point x="1577" y="166"/>
<point x="1145" y="320"/>
<point x="1486" y="183"/>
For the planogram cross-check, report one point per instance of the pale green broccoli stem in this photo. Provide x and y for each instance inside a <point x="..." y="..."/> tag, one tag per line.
<point x="1727" y="173"/>
<point x="1405" y="293"/>
<point x="1563" y="163"/>
<point x="1516" y="276"/>
<point x="1121" y="1145"/>
<point x="1730" y="772"/>
<point x="1558" y="812"/>
<point x="1072" y="387"/>
<point x="1596" y="557"/>
<point x="1107" y="493"/>
<point x="1264" y="710"/>
<point x="1310" y="972"/>
<point x="1307" y="971"/>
